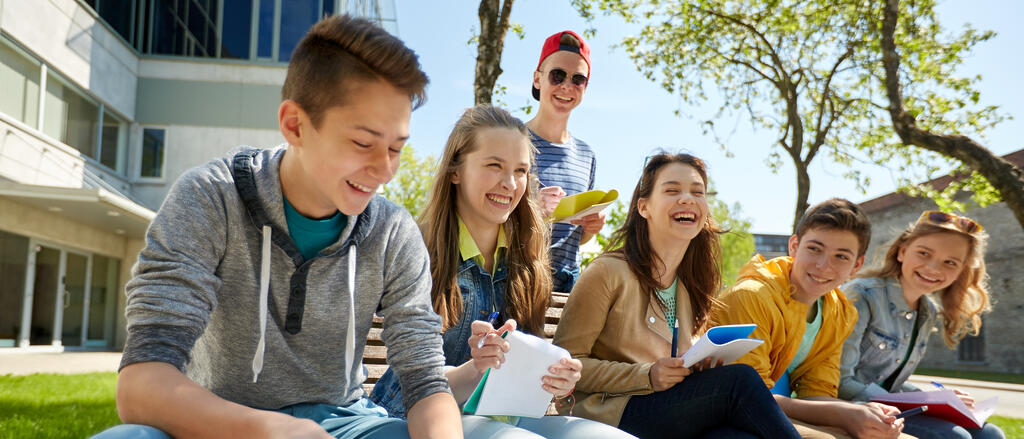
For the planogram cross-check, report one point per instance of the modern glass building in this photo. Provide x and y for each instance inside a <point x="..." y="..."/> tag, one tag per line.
<point x="103" y="104"/>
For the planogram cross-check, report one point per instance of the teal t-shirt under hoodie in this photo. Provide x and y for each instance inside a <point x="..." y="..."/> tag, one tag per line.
<point x="311" y="235"/>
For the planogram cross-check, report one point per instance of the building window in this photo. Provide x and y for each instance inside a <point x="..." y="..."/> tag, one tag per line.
<point x="153" y="141"/>
<point x="114" y="142"/>
<point x="972" y="348"/>
<point x="19" y="85"/>
<point x="236" y="29"/>
<point x="296" y="19"/>
<point x="70" y="117"/>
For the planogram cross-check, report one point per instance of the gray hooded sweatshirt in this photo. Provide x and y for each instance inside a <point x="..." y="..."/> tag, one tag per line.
<point x="221" y="292"/>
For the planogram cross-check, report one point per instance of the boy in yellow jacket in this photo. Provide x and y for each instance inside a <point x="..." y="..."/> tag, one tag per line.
<point x="803" y="319"/>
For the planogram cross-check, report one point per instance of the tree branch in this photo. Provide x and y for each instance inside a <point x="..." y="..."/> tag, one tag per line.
<point x="1001" y="174"/>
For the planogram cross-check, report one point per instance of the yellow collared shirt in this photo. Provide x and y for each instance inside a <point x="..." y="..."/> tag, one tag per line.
<point x="468" y="248"/>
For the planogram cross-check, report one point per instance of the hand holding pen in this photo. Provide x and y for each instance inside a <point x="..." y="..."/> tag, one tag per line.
<point x="487" y="348"/>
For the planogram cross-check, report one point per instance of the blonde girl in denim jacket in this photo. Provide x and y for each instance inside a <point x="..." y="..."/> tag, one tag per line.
<point x="488" y="249"/>
<point x="939" y="258"/>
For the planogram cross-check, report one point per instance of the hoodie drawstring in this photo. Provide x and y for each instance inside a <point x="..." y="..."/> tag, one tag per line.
<point x="261" y="347"/>
<point x="350" y="336"/>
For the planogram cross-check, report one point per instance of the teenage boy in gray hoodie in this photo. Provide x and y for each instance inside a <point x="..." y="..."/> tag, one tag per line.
<point x="250" y="304"/>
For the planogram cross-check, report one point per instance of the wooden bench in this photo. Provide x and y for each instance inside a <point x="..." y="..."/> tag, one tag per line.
<point x="375" y="355"/>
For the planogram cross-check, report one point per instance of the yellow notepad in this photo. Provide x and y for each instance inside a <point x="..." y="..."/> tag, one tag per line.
<point x="577" y="206"/>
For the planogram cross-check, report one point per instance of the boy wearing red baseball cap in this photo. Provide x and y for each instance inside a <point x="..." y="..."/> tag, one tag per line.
<point x="565" y="164"/>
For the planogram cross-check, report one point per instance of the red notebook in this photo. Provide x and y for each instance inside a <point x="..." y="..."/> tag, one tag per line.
<point x="942" y="404"/>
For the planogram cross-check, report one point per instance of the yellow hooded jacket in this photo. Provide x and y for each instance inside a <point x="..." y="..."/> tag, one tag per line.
<point x="762" y="295"/>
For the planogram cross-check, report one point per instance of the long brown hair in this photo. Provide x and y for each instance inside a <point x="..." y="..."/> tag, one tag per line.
<point x="698" y="272"/>
<point x="967" y="298"/>
<point x="528" y="284"/>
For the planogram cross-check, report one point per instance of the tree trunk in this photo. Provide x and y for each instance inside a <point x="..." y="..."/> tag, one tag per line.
<point x="494" y="20"/>
<point x="1001" y="174"/>
<point x="803" y="191"/>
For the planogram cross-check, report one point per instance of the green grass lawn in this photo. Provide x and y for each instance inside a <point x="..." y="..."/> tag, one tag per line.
<point x="57" y="406"/>
<point x="77" y="406"/>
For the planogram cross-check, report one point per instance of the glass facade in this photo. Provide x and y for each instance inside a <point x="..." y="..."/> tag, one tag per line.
<point x="152" y="152"/>
<point x="265" y="30"/>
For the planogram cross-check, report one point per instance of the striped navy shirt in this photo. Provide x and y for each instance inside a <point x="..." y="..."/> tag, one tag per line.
<point x="569" y="165"/>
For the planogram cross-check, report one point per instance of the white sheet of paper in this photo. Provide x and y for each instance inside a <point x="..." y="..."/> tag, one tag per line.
<point x="515" y="389"/>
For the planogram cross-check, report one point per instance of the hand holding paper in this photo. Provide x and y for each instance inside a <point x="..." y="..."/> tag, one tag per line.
<point x="516" y="388"/>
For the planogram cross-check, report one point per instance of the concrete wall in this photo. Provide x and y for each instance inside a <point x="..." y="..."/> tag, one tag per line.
<point x="1003" y="351"/>
<point x="190" y="146"/>
<point x="74" y="43"/>
<point x="29" y="157"/>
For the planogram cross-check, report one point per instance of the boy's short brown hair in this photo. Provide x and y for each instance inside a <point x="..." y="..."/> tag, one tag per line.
<point x="339" y="52"/>
<point x="838" y="214"/>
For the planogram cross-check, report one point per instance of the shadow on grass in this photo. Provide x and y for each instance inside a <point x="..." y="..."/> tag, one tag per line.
<point x="57" y="406"/>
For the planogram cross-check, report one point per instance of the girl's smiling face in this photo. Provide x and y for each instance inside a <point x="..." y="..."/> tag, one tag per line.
<point x="492" y="178"/>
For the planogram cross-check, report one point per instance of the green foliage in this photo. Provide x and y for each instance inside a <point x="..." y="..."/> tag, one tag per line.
<point x="615" y="219"/>
<point x="811" y="71"/>
<point x="410" y="187"/>
<point x="737" y="244"/>
<point x="57" y="406"/>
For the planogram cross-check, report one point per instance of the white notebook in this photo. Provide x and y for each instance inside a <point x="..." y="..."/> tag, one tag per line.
<point x="726" y="343"/>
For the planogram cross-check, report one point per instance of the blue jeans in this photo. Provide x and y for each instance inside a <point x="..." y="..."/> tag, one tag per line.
<point x="927" y="427"/>
<point x="563" y="279"/>
<point x="362" y="419"/>
<point x="723" y="402"/>
<point x="550" y="427"/>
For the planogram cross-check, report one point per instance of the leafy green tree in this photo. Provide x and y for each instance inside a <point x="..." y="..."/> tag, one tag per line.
<point x="810" y="71"/>
<point x="410" y="187"/>
<point x="737" y="243"/>
<point x="615" y="219"/>
<point x="923" y="121"/>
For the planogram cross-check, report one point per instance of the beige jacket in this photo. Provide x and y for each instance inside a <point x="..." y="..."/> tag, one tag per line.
<point x="611" y="325"/>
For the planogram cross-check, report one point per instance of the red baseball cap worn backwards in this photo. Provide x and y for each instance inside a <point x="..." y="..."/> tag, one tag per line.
<point x="553" y="44"/>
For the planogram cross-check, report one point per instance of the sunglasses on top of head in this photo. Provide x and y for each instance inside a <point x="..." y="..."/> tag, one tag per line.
<point x="556" y="76"/>
<point x="964" y="224"/>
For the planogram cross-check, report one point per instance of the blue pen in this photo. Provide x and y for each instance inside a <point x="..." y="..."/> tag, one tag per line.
<point x="490" y="319"/>
<point x="937" y="384"/>
<point x="912" y="412"/>
<point x="675" y="338"/>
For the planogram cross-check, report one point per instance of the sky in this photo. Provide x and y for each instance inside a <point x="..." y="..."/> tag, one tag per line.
<point x="624" y="117"/>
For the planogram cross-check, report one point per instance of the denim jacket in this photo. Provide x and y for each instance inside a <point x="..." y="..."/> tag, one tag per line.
<point x="879" y="341"/>
<point x="481" y="294"/>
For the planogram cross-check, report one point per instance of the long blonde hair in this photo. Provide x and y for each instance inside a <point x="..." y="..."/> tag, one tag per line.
<point x="967" y="298"/>
<point x="528" y="284"/>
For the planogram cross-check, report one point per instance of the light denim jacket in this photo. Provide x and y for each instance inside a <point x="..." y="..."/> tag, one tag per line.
<point x="880" y="340"/>
<point x="479" y="292"/>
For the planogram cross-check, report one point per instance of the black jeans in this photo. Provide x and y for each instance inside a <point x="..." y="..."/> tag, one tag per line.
<point x="723" y="402"/>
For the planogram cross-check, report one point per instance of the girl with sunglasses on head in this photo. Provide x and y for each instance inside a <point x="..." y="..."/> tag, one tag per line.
<point x="565" y="164"/>
<point x="618" y="321"/>
<point x="939" y="256"/>
<point x="488" y="256"/>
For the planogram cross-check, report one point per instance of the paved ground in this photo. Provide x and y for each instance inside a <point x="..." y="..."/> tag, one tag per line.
<point x="1011" y="396"/>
